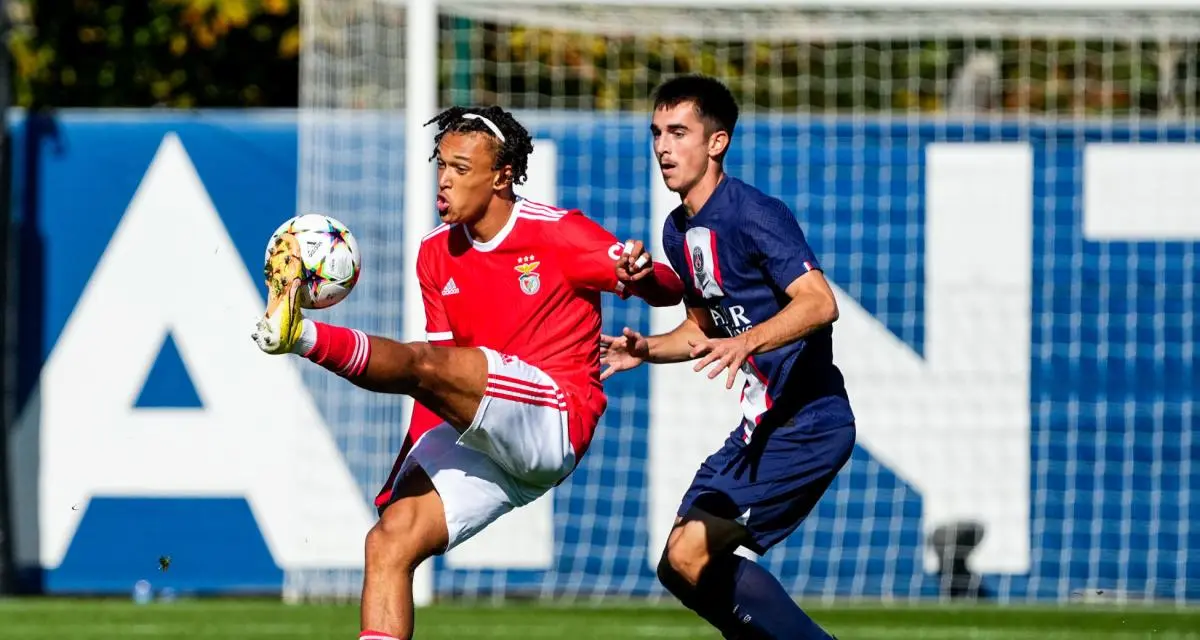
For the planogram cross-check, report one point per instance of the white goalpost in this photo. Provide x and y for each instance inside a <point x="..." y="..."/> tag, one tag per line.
<point x="1002" y="192"/>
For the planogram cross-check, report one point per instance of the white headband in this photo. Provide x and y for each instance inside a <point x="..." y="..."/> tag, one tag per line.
<point x="491" y="125"/>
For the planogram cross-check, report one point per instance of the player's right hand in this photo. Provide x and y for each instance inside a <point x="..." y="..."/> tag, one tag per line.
<point x="634" y="262"/>
<point x="623" y="352"/>
<point x="280" y="327"/>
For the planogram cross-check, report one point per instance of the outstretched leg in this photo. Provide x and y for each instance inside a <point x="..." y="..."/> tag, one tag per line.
<point x="450" y="381"/>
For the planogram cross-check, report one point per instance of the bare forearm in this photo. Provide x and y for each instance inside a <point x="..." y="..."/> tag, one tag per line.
<point x="674" y="346"/>
<point x="801" y="316"/>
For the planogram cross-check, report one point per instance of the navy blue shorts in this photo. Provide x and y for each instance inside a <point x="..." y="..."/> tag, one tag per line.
<point x="772" y="483"/>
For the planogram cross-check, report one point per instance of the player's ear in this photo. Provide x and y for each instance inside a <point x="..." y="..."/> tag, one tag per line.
<point x="504" y="177"/>
<point x="718" y="142"/>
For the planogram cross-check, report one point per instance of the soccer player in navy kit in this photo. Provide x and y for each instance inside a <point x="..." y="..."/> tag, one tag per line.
<point x="757" y="302"/>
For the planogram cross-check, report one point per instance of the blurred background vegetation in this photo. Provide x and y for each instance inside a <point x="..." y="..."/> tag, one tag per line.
<point x="141" y="53"/>
<point x="245" y="53"/>
<point x="526" y="67"/>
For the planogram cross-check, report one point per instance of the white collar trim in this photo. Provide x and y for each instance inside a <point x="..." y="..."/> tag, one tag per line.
<point x="491" y="245"/>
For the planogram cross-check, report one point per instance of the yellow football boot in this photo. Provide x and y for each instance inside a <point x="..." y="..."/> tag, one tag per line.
<point x="279" y="329"/>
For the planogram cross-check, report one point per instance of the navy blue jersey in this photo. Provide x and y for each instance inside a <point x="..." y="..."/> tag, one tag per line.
<point x="737" y="256"/>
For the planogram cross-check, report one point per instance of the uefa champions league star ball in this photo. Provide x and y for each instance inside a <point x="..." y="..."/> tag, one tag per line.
<point x="328" y="255"/>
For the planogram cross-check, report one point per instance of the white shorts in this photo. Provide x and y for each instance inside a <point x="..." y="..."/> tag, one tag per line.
<point x="515" y="450"/>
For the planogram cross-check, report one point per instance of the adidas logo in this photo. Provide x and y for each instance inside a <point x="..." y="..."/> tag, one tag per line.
<point x="450" y="288"/>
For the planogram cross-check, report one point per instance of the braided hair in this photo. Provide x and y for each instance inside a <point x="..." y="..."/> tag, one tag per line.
<point x="513" y="151"/>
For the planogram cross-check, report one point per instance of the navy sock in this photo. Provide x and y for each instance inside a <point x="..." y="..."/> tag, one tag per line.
<point x="764" y="605"/>
<point x="715" y="608"/>
<point x="759" y="605"/>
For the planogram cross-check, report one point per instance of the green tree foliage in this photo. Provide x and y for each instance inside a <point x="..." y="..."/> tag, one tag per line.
<point x="139" y="53"/>
<point x="542" y="68"/>
<point x="244" y="53"/>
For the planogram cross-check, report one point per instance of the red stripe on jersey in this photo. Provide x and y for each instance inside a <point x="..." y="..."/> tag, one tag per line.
<point x="765" y="383"/>
<point x="440" y="229"/>
<point x="691" y="264"/>
<point x="534" y="386"/>
<point x="757" y="372"/>
<point x="538" y="207"/>
<point x="537" y="216"/>
<point x="716" y="263"/>
<point x="540" y="402"/>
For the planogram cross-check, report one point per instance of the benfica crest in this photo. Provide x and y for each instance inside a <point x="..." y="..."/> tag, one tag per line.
<point x="529" y="279"/>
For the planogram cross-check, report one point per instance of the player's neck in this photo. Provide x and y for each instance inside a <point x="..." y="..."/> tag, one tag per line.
<point x="492" y="220"/>
<point x="698" y="195"/>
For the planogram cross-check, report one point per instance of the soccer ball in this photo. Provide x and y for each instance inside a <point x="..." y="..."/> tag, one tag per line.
<point x="328" y="256"/>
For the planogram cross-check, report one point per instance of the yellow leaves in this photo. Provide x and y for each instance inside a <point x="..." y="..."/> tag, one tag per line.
<point x="606" y="98"/>
<point x="173" y="54"/>
<point x="597" y="45"/>
<point x="160" y="89"/>
<point x="905" y="100"/>
<point x="277" y="7"/>
<point x="219" y="26"/>
<point x="204" y="36"/>
<point x="518" y="38"/>
<point x="209" y="21"/>
<point x="234" y="13"/>
<point x="289" y="43"/>
<point x="192" y="15"/>
<point x="25" y="61"/>
<point x="179" y="44"/>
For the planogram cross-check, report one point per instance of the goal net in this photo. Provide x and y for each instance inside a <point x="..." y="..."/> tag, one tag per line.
<point x="1003" y="198"/>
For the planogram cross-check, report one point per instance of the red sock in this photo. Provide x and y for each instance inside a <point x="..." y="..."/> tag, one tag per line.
<point x="341" y="350"/>
<point x="375" y="635"/>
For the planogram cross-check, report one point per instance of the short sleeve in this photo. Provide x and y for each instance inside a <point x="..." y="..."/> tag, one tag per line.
<point x="437" y="325"/>
<point x="589" y="254"/>
<point x="778" y="244"/>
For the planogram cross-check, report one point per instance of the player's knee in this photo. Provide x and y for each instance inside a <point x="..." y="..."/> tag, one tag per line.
<point x="686" y="555"/>
<point x="386" y="548"/>
<point x="397" y="540"/>
<point x="670" y="579"/>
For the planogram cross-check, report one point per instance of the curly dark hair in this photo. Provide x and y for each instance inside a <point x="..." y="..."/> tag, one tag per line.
<point x="513" y="151"/>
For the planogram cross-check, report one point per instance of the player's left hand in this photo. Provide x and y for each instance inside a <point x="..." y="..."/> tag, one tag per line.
<point x="634" y="262"/>
<point x="727" y="353"/>
<point x="623" y="352"/>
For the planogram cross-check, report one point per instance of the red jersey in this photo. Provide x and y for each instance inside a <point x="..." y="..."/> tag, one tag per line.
<point x="532" y="291"/>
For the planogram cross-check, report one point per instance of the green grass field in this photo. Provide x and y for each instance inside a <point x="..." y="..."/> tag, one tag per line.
<point x="56" y="619"/>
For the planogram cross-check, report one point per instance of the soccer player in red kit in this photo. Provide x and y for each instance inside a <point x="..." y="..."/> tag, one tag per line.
<point x="508" y="385"/>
